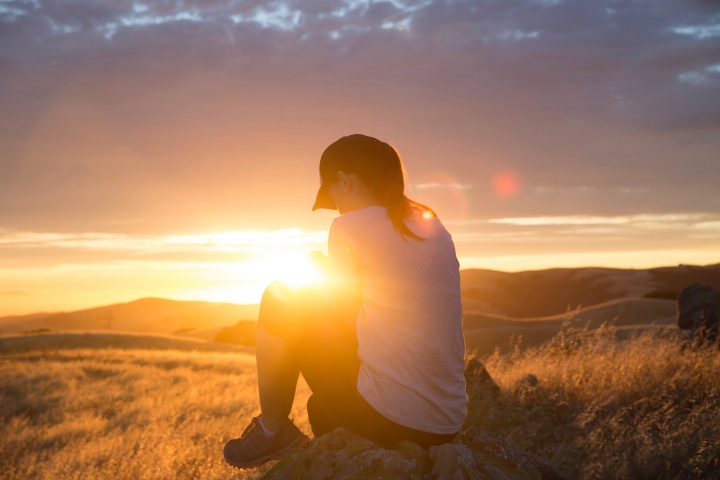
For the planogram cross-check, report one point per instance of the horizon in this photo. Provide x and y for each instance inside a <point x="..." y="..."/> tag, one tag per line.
<point x="171" y="149"/>
<point x="122" y="301"/>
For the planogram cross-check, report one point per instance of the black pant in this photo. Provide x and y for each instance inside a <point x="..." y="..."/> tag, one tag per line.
<point x="322" y="340"/>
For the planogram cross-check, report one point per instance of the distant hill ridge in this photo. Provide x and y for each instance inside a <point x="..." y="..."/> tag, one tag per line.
<point x="544" y="293"/>
<point x="510" y="295"/>
<point x="146" y="315"/>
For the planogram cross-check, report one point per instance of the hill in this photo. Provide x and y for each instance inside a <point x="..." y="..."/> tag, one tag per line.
<point x="486" y="332"/>
<point x="557" y="291"/>
<point x="147" y="315"/>
<point x="490" y="298"/>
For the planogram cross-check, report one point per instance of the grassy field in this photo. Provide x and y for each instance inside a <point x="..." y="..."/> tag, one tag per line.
<point x="131" y="406"/>
<point x="161" y="409"/>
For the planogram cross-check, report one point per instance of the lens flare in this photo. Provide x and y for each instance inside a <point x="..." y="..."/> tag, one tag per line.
<point x="506" y="184"/>
<point x="444" y="194"/>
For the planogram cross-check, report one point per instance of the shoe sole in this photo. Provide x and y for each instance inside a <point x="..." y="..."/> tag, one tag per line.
<point x="275" y="456"/>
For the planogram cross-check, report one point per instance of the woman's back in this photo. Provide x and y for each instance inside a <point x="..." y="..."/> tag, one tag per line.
<point x="409" y="327"/>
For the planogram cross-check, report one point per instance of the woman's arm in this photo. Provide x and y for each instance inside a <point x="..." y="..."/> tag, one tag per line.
<point x="343" y="272"/>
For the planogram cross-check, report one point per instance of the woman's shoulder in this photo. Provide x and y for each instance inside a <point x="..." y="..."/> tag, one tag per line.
<point x="362" y="217"/>
<point x="366" y="226"/>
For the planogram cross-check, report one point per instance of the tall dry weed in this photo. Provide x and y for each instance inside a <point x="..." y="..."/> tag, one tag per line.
<point x="600" y="407"/>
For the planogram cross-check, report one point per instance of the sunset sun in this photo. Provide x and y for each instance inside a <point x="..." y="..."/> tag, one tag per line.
<point x="295" y="270"/>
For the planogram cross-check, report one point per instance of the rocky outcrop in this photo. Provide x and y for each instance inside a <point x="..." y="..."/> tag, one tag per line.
<point x="474" y="454"/>
<point x="698" y="310"/>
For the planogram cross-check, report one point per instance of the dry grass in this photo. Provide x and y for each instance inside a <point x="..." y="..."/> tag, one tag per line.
<point x="641" y="407"/>
<point x="123" y="413"/>
<point x="602" y="407"/>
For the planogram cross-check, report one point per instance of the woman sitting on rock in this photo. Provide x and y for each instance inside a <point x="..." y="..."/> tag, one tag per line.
<point x="381" y="343"/>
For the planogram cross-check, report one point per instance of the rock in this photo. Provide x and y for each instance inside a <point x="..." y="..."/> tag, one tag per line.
<point x="528" y="390"/>
<point x="528" y="381"/>
<point x="496" y="457"/>
<point x="478" y="381"/>
<point x="698" y="310"/>
<point x="473" y="454"/>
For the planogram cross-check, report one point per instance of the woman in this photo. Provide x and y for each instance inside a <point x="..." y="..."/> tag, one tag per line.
<point x="381" y="344"/>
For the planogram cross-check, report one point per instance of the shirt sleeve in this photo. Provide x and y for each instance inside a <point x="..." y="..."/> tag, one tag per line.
<point x="343" y="267"/>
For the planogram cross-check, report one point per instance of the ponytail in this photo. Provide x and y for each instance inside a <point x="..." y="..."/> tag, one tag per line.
<point x="389" y="188"/>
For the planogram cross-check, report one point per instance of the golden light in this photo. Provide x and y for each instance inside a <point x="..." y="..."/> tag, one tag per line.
<point x="244" y="282"/>
<point x="299" y="271"/>
<point x="282" y="255"/>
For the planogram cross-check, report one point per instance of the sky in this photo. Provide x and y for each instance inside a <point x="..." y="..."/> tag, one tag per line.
<point x="170" y="148"/>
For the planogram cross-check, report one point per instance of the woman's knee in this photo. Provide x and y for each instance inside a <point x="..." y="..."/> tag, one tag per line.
<point x="320" y="422"/>
<point x="274" y="308"/>
<point x="283" y="307"/>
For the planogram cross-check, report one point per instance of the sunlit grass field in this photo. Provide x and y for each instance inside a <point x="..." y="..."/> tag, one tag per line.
<point x="157" y="408"/>
<point x="124" y="413"/>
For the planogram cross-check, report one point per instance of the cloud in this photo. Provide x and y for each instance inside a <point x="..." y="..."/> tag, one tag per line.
<point x="706" y="76"/>
<point x="436" y="185"/>
<point x="700" y="32"/>
<point x="141" y="20"/>
<point x="244" y="241"/>
<point x="517" y="35"/>
<point x="333" y="19"/>
<point x="692" y="237"/>
<point x="637" y="220"/>
<point x="281" y="18"/>
<point x="121" y="111"/>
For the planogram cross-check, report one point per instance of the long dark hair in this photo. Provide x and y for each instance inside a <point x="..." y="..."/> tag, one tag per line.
<point x="378" y="165"/>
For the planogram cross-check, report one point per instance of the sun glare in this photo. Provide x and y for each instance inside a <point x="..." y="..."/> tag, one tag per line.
<point x="244" y="282"/>
<point x="299" y="271"/>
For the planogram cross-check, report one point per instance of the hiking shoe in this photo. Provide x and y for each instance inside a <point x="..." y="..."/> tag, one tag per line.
<point x="253" y="448"/>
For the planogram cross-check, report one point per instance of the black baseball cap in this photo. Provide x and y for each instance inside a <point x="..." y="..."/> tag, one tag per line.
<point x="359" y="154"/>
